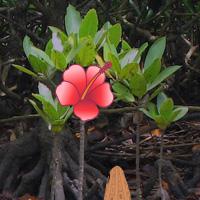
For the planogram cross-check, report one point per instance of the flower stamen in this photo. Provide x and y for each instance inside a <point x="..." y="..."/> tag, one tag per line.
<point x="101" y="71"/>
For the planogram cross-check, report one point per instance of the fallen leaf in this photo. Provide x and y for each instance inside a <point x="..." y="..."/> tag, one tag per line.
<point x="156" y="132"/>
<point x="196" y="148"/>
<point x="117" y="187"/>
<point x="28" y="197"/>
<point x="13" y="136"/>
<point x="165" y="185"/>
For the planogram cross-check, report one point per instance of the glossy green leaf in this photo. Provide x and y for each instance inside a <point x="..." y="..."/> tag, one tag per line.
<point x="147" y="113"/>
<point x="125" y="46"/>
<point x="45" y="92"/>
<point x="38" y="65"/>
<point x="161" y="122"/>
<point x="179" y="112"/>
<point x="129" y="70"/>
<point x="152" y="109"/>
<point x="138" y="85"/>
<point x="39" y="111"/>
<point x="72" y="20"/>
<point x="49" y="47"/>
<point x="62" y="110"/>
<point x="122" y="92"/>
<point x="27" y="44"/>
<point x="100" y="38"/>
<point x="108" y="49"/>
<point x="129" y="57"/>
<point x="115" y="63"/>
<point x="60" y="33"/>
<point x="89" y="24"/>
<point x="87" y="53"/>
<point x="160" y="99"/>
<point x="166" y="109"/>
<point x="48" y="108"/>
<point x="59" y="60"/>
<point x="140" y="52"/>
<point x="114" y="34"/>
<point x="162" y="76"/>
<point x="25" y="70"/>
<point x="152" y="71"/>
<point x="155" y="52"/>
<point x="143" y="48"/>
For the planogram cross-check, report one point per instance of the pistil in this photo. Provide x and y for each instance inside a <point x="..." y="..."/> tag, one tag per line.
<point x="101" y="71"/>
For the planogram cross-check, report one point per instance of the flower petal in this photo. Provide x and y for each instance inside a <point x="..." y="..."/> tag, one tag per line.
<point x="101" y="95"/>
<point x="90" y="73"/>
<point x="67" y="94"/>
<point x="75" y="74"/>
<point x="86" y="110"/>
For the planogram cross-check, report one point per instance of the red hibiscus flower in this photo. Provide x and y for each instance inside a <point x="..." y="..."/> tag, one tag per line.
<point x="85" y="90"/>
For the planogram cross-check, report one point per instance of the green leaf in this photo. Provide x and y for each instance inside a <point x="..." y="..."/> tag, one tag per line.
<point x="129" y="70"/>
<point x="162" y="76"/>
<point x="147" y="113"/>
<point x="25" y="70"/>
<point x="49" y="47"/>
<point x="129" y="57"/>
<point x="45" y="92"/>
<point x="179" y="112"/>
<point x="39" y="111"/>
<point x="155" y="52"/>
<point x="48" y="108"/>
<point x="114" y="34"/>
<point x="115" y="63"/>
<point x="122" y="92"/>
<point x="59" y="60"/>
<point x="62" y="110"/>
<point x="161" y="122"/>
<point x="87" y="53"/>
<point x="89" y="24"/>
<point x="38" y="59"/>
<point x="125" y="46"/>
<point x="166" y="109"/>
<point x="138" y="85"/>
<point x="108" y="48"/>
<point x="140" y="51"/>
<point x="72" y="20"/>
<point x="73" y="52"/>
<point x="152" y="109"/>
<point x="27" y="44"/>
<point x="143" y="48"/>
<point x="60" y="33"/>
<point x="160" y="99"/>
<point x="152" y="71"/>
<point x="38" y="65"/>
<point x="100" y="38"/>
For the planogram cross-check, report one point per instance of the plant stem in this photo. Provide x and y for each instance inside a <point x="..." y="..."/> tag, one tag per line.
<point x="160" y="164"/>
<point x="57" y="190"/>
<point x="81" y="159"/>
<point x="137" y="119"/>
<point x="138" y="163"/>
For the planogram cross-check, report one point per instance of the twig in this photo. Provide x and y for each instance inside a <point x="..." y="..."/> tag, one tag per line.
<point x="137" y="160"/>
<point x="30" y="33"/>
<point x="5" y="89"/>
<point x="119" y="110"/>
<point x="145" y="33"/>
<point x="160" y="165"/>
<point x="18" y="118"/>
<point x="81" y="159"/>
